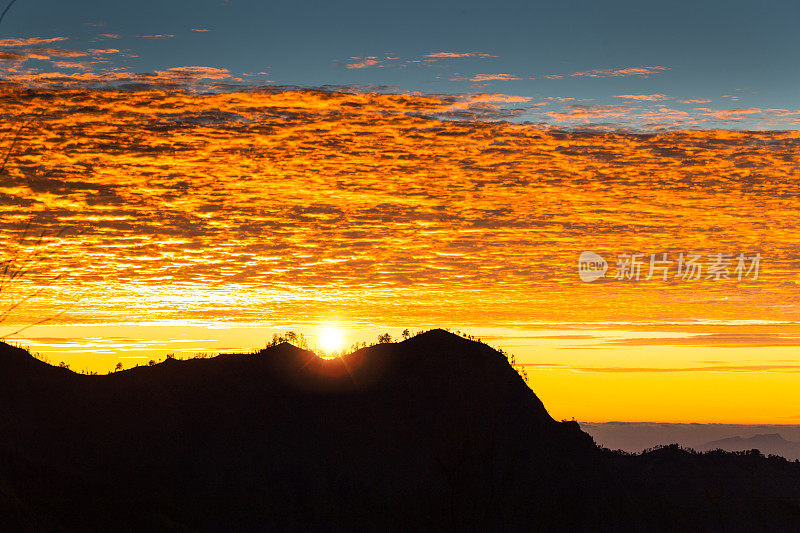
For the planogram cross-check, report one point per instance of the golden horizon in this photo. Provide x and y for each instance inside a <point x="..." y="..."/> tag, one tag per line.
<point x="276" y="210"/>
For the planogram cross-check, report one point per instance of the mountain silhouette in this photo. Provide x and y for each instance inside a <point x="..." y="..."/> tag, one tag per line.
<point x="434" y="432"/>
<point x="767" y="443"/>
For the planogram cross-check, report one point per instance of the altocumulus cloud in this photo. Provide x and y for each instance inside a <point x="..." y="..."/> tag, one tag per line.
<point x="231" y="204"/>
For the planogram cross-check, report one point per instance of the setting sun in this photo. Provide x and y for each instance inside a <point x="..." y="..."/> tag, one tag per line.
<point x="331" y="340"/>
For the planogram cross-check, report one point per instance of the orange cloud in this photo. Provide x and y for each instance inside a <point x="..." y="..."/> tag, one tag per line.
<point x="195" y="73"/>
<point x="40" y="53"/>
<point x="567" y="99"/>
<point x="13" y="56"/>
<point x="728" y="114"/>
<point x="96" y="51"/>
<point x="486" y="77"/>
<point x="366" y="62"/>
<point x="644" y="97"/>
<point x="780" y="113"/>
<point x="714" y="339"/>
<point x="72" y="65"/>
<point x="504" y="98"/>
<point x="455" y="55"/>
<point x="625" y="72"/>
<point x="30" y="41"/>
<point x="494" y="77"/>
<point x="449" y="55"/>
<point x="357" y="62"/>
<point x="590" y="112"/>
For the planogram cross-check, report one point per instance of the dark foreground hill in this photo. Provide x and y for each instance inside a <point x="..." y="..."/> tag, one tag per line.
<point x="435" y="432"/>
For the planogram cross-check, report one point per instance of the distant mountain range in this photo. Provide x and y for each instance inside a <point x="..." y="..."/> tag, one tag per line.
<point x="767" y="444"/>
<point x="775" y="439"/>
<point x="435" y="432"/>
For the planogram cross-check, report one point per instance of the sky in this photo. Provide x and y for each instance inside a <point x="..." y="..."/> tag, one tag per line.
<point x="637" y="65"/>
<point x="205" y="174"/>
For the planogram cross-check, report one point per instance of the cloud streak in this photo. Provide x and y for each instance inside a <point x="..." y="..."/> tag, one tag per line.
<point x="364" y="62"/>
<point x="643" y="72"/>
<point x="31" y="41"/>
<point x="457" y="55"/>
<point x="644" y="97"/>
<point x="367" y="62"/>
<point x="715" y="340"/>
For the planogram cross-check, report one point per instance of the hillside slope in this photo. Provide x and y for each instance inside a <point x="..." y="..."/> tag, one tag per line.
<point x="433" y="432"/>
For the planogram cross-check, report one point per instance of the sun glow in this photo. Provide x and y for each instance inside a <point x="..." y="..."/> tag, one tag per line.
<point x="331" y="340"/>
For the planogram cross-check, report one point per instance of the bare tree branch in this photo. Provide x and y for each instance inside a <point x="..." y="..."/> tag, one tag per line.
<point x="11" y="3"/>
